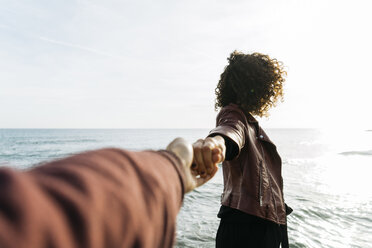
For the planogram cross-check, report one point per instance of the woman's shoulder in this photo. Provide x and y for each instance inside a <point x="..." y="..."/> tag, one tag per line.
<point x="233" y="111"/>
<point x="232" y="108"/>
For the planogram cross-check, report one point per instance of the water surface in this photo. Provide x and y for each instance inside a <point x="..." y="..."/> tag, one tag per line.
<point x="327" y="178"/>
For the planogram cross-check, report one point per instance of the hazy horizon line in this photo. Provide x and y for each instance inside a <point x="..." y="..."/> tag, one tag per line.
<point x="145" y="128"/>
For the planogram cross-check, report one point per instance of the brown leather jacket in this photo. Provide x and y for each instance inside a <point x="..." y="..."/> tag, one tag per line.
<point x="252" y="179"/>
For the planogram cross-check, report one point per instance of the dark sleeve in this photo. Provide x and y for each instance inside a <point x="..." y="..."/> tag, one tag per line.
<point x="230" y="125"/>
<point x="104" y="198"/>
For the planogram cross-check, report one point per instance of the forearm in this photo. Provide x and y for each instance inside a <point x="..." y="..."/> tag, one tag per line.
<point x="105" y="198"/>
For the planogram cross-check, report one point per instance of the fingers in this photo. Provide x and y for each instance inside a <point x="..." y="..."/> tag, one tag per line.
<point x="198" y="157"/>
<point x="220" y="147"/>
<point x="194" y="180"/>
<point x="202" y="180"/>
<point x="217" y="155"/>
<point x="207" y="151"/>
<point x="204" y="155"/>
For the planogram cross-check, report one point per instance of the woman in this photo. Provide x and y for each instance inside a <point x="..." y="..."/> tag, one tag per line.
<point x="253" y="212"/>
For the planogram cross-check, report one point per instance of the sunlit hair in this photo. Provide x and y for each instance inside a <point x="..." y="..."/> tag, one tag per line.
<point x="252" y="81"/>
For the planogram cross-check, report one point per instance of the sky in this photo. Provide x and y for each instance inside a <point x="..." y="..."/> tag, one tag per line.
<point x="155" y="64"/>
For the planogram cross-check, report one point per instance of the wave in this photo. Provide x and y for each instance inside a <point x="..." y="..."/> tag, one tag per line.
<point x="364" y="153"/>
<point x="53" y="142"/>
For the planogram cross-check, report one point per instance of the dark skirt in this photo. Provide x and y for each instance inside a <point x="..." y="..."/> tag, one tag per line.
<point x="238" y="229"/>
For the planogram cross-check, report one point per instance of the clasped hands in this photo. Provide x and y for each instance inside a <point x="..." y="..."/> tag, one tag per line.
<point x="199" y="160"/>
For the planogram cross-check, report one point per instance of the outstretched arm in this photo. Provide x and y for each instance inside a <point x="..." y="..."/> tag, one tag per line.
<point x="103" y="198"/>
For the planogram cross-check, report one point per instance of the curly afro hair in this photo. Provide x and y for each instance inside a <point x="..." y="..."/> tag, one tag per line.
<point x="252" y="81"/>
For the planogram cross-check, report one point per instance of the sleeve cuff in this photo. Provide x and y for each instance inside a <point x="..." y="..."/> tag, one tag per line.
<point x="229" y="133"/>
<point x="176" y="162"/>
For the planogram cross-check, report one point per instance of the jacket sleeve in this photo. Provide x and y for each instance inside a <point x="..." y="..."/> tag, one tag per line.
<point x="230" y="125"/>
<point x="104" y="198"/>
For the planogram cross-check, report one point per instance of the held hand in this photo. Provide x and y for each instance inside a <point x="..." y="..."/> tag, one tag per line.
<point x="207" y="154"/>
<point x="184" y="151"/>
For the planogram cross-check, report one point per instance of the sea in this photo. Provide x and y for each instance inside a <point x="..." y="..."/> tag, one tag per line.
<point x="327" y="178"/>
